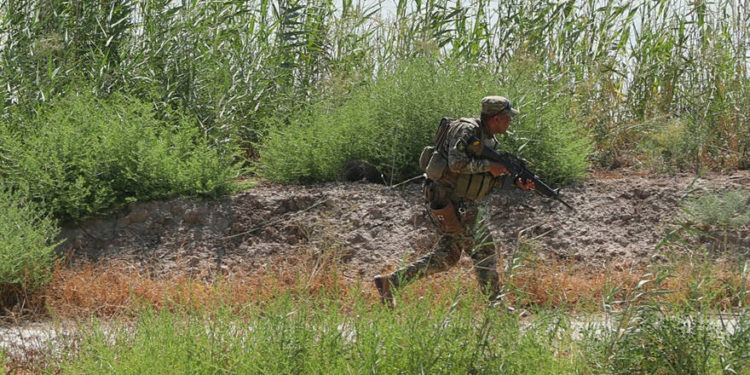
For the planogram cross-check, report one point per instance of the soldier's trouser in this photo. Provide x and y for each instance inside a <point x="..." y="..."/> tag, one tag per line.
<point x="475" y="239"/>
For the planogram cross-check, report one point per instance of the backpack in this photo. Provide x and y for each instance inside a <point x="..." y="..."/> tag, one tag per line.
<point x="432" y="161"/>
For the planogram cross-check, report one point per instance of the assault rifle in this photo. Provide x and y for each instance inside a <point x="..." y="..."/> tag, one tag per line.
<point x="516" y="167"/>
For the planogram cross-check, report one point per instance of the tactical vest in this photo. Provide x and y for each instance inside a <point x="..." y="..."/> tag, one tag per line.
<point x="434" y="160"/>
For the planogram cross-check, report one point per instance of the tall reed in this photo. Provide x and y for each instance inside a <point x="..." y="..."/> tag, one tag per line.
<point x="234" y="64"/>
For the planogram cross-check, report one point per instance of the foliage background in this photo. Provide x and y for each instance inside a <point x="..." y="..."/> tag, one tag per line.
<point x="663" y="74"/>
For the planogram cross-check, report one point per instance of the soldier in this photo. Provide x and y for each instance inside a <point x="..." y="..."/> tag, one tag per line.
<point x="455" y="189"/>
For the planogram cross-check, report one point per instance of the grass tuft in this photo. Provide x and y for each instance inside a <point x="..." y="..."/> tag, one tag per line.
<point x="27" y="255"/>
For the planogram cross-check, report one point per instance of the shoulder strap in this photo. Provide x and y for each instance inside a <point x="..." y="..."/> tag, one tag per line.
<point x="470" y="120"/>
<point x="442" y="131"/>
<point x="475" y="124"/>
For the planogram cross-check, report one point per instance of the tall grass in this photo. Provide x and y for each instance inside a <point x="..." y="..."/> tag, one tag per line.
<point x="27" y="247"/>
<point x="230" y="64"/>
<point x="653" y="343"/>
<point x="648" y="336"/>
<point x="444" y="331"/>
<point x="631" y="68"/>
<point x="305" y="315"/>
<point x="294" y="334"/>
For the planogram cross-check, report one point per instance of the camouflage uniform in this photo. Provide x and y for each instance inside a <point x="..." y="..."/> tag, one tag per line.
<point x="474" y="237"/>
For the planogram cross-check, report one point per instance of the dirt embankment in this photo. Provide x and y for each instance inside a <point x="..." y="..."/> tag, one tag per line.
<point x="372" y="228"/>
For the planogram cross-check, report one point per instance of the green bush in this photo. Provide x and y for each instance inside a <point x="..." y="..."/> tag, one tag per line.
<point x="80" y="155"/>
<point x="26" y="243"/>
<point x="545" y="134"/>
<point x="726" y="210"/>
<point x="705" y="222"/>
<point x="386" y="124"/>
<point x="656" y="343"/>
<point x="389" y="122"/>
<point x="664" y="144"/>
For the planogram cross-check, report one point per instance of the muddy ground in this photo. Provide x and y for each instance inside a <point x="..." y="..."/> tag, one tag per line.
<point x="620" y="218"/>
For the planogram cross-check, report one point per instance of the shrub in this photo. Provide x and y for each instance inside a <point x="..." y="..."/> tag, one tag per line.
<point x="80" y="155"/>
<point x="386" y="124"/>
<point x="664" y="144"/>
<point x="26" y="243"/>
<point x="545" y="133"/>
<point x="726" y="210"/>
<point x="389" y="122"/>
<point x="656" y="343"/>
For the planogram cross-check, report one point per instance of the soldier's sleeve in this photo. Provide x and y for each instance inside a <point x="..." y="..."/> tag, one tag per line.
<point x="459" y="160"/>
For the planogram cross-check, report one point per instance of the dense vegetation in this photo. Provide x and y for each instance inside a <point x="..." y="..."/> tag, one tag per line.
<point x="388" y="122"/>
<point x="108" y="102"/>
<point x="656" y="83"/>
<point x="27" y="255"/>
<point x="80" y="156"/>
<point x="338" y="329"/>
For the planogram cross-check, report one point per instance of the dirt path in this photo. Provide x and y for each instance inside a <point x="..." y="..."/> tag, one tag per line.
<point x="372" y="228"/>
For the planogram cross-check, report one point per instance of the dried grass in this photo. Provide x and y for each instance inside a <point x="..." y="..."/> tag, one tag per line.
<point x="119" y="288"/>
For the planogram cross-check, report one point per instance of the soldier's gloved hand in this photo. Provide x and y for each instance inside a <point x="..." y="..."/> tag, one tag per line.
<point x="497" y="169"/>
<point x="525" y="184"/>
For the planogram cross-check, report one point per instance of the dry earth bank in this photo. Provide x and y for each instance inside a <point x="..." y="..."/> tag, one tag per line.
<point x="619" y="219"/>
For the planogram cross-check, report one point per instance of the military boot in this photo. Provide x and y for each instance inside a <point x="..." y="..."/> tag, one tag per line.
<point x="384" y="286"/>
